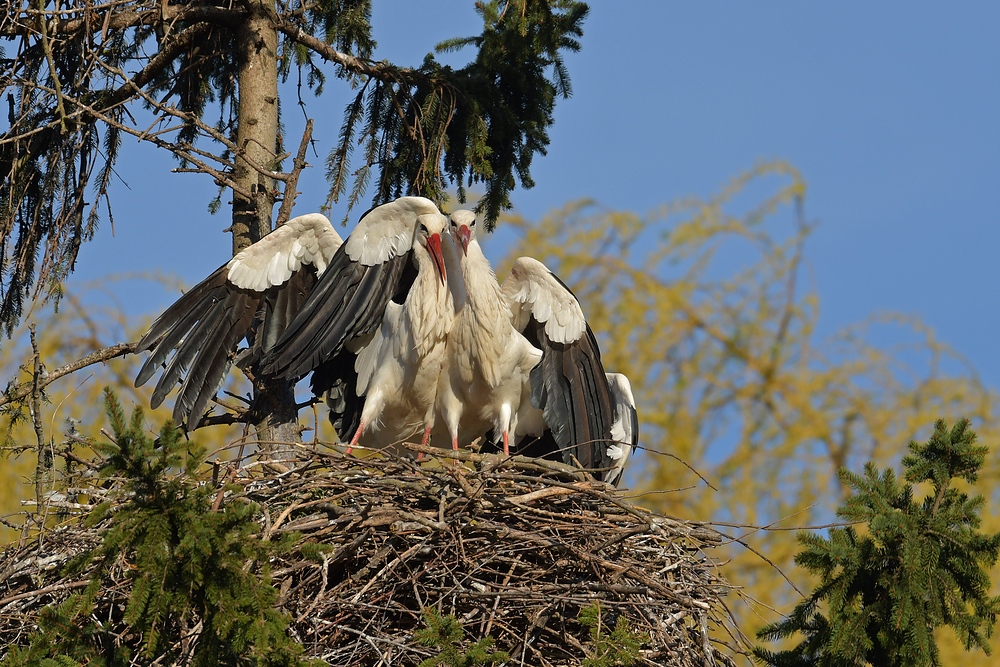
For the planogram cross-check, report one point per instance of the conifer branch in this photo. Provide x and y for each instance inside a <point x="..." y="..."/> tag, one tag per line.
<point x="115" y="18"/>
<point x="382" y="71"/>
<point x="918" y="567"/>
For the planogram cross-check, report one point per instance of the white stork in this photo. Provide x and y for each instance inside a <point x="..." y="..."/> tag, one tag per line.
<point x="556" y="397"/>
<point x="368" y="318"/>
<point x="487" y="363"/>
<point x="373" y="329"/>
<point x="252" y="297"/>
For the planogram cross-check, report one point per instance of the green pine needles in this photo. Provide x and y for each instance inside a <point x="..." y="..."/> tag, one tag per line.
<point x="619" y="647"/>
<point x="918" y="566"/>
<point x="445" y="634"/>
<point x="201" y="591"/>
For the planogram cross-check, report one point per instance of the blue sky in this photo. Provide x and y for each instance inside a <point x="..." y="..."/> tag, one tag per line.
<point x="891" y="111"/>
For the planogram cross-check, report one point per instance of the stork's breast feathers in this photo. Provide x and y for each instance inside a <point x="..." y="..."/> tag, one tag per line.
<point x="305" y="240"/>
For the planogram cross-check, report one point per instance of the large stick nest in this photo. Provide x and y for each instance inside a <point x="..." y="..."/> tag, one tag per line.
<point x="513" y="547"/>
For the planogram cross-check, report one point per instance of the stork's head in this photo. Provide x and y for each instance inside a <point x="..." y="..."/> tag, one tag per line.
<point x="463" y="225"/>
<point x="430" y="227"/>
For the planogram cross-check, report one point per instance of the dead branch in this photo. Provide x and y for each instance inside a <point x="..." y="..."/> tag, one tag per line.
<point x="292" y="181"/>
<point x="23" y="390"/>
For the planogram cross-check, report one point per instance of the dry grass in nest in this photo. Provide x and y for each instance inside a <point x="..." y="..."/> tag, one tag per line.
<point x="513" y="547"/>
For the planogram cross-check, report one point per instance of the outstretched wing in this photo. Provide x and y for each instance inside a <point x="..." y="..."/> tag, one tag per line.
<point x="372" y="268"/>
<point x="568" y="385"/>
<point x="253" y="297"/>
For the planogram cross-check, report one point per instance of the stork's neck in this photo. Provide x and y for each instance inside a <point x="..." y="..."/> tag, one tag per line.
<point x="429" y="304"/>
<point x="480" y="280"/>
<point x="483" y="330"/>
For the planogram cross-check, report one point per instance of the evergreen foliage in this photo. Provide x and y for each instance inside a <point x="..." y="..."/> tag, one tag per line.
<point x="618" y="648"/>
<point x="919" y="565"/>
<point x="200" y="589"/>
<point x="445" y="634"/>
<point x="482" y="123"/>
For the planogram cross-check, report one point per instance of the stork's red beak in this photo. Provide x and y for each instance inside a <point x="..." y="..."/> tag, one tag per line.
<point x="464" y="236"/>
<point x="434" y="247"/>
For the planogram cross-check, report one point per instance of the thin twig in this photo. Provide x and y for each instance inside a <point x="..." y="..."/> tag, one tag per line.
<point x="43" y="461"/>
<point x="292" y="182"/>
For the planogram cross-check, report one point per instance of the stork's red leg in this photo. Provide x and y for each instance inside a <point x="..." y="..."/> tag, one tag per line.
<point x="423" y="441"/>
<point x="354" y="440"/>
<point x="506" y="444"/>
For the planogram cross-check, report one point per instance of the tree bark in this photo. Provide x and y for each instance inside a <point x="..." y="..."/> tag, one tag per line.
<point x="276" y="420"/>
<point x="257" y="133"/>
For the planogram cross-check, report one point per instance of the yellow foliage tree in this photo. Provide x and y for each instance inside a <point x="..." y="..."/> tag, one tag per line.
<point x="745" y="414"/>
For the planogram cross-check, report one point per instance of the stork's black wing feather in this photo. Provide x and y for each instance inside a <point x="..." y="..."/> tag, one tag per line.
<point x="338" y="381"/>
<point x="162" y="348"/>
<point x="570" y="388"/>
<point x="211" y="314"/>
<point x="281" y="305"/>
<point x="215" y="356"/>
<point x="196" y="339"/>
<point x="348" y="302"/>
<point x="170" y="327"/>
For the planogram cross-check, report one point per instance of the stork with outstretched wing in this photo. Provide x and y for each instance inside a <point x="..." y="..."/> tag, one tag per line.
<point x="370" y="324"/>
<point x="374" y="327"/>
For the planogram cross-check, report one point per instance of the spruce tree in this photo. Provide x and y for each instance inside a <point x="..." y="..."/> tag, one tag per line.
<point x="79" y="76"/>
<point x="909" y="567"/>
<point x="200" y="591"/>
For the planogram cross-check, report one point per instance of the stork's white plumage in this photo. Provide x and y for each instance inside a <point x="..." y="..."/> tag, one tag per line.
<point x="374" y="328"/>
<point x="624" y="429"/>
<point x="487" y="363"/>
<point x="252" y="297"/>
<point x="308" y="240"/>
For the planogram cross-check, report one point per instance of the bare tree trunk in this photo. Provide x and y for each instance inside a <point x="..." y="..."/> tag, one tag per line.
<point x="257" y="134"/>
<point x="257" y="138"/>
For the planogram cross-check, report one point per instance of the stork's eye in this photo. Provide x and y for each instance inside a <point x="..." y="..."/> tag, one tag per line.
<point x="423" y="228"/>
